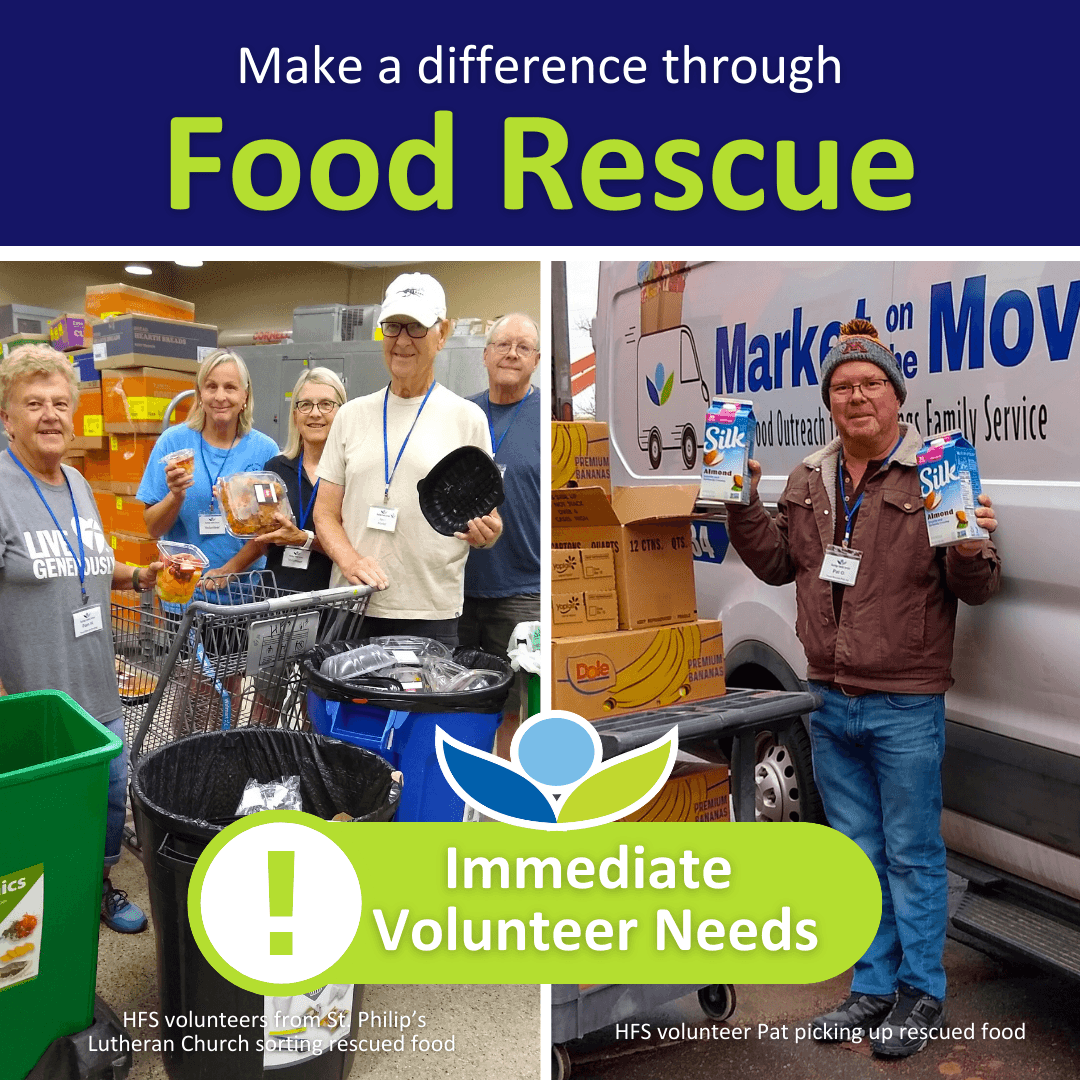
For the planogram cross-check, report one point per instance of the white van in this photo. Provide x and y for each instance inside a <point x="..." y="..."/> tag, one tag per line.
<point x="992" y="349"/>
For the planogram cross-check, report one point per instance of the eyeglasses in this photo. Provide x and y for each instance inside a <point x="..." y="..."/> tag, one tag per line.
<point x="872" y="388"/>
<point x="502" y="348"/>
<point x="326" y="406"/>
<point x="413" y="329"/>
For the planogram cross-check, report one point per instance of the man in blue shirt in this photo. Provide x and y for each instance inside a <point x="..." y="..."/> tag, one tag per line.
<point x="502" y="584"/>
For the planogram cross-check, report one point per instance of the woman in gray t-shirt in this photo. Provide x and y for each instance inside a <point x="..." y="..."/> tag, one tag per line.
<point x="56" y="572"/>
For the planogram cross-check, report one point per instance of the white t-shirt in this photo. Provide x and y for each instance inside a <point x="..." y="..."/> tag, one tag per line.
<point x="426" y="570"/>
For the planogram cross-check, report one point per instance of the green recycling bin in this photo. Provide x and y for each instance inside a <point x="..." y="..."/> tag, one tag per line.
<point x="54" y="781"/>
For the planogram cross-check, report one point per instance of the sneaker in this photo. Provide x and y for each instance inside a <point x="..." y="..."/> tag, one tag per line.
<point x="914" y="1018"/>
<point x="119" y="913"/>
<point x="853" y="1018"/>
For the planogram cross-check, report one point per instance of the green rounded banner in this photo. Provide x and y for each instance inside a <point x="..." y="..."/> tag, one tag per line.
<point x="283" y="901"/>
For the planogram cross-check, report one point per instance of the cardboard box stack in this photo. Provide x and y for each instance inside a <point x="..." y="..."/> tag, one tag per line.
<point x="146" y="348"/>
<point x="661" y="653"/>
<point x="662" y="286"/>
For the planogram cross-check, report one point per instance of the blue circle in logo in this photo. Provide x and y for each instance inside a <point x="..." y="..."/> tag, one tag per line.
<point x="556" y="751"/>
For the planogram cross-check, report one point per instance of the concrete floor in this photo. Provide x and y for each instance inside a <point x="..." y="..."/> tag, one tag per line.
<point x="982" y="990"/>
<point x="496" y="1029"/>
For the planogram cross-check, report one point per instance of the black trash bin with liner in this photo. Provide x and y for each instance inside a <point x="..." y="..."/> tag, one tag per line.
<point x="183" y="794"/>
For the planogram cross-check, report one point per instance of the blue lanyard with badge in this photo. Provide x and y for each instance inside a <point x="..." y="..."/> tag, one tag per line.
<point x="385" y="517"/>
<point x="211" y="524"/>
<point x="841" y="563"/>
<point x="87" y="617"/>
<point x="491" y="427"/>
<point x="299" y="557"/>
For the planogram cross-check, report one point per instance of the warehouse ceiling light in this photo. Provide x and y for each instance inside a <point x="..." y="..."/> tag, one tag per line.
<point x="137" y="268"/>
<point x="194" y="263"/>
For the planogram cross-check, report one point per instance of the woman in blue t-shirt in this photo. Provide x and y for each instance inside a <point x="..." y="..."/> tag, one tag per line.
<point x="181" y="505"/>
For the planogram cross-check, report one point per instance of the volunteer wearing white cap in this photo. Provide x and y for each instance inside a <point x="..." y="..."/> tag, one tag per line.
<point x="367" y="514"/>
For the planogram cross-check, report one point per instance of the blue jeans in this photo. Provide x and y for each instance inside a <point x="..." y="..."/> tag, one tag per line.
<point x="117" y="808"/>
<point x="877" y="764"/>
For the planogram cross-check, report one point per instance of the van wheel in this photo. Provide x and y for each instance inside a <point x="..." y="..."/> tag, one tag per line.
<point x="689" y="446"/>
<point x="717" y="1001"/>
<point x="784" y="773"/>
<point x="784" y="778"/>
<point x="655" y="447"/>
<point x="560" y="1063"/>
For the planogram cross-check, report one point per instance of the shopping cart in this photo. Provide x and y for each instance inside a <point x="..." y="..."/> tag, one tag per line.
<point x="227" y="660"/>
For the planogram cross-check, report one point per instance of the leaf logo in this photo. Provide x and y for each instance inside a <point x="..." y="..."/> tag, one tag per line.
<point x="659" y="388"/>
<point x="556" y="779"/>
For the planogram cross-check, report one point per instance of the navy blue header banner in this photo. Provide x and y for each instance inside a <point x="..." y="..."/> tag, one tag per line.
<point x="601" y="124"/>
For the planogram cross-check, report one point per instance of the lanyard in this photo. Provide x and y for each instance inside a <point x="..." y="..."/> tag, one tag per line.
<point x="386" y="452"/>
<point x="80" y="559"/>
<point x="221" y="469"/>
<point x="850" y="514"/>
<point x="513" y="416"/>
<point x="305" y="514"/>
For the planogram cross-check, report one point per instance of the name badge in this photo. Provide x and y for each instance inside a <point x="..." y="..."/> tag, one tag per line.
<point x="383" y="518"/>
<point x="502" y="470"/>
<point x="211" y="524"/>
<point x="87" y="620"/>
<point x="840" y="565"/>
<point x="296" y="558"/>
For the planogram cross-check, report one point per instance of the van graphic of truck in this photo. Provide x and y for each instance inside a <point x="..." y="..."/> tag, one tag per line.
<point x="671" y="395"/>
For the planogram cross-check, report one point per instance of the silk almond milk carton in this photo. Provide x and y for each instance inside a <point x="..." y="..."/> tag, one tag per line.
<point x="950" y="488"/>
<point x="729" y="444"/>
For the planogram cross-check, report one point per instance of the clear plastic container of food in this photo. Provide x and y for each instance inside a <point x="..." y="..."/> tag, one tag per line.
<point x="184" y="565"/>
<point x="250" y="500"/>
<point x="362" y="661"/>
<point x="479" y="679"/>
<point x="441" y="673"/>
<point x="411" y="678"/>
<point x="412" y="650"/>
<point x="185" y="458"/>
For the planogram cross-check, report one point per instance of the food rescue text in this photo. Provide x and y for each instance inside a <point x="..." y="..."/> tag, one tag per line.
<point x="629" y="869"/>
<point x="740" y="174"/>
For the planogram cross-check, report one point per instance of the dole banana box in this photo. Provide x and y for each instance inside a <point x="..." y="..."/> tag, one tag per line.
<point x="580" y="455"/>
<point x="729" y="444"/>
<point x="583" y="596"/>
<point x="696" y="790"/>
<point x="950" y="487"/>
<point x="600" y="675"/>
<point x="647" y="530"/>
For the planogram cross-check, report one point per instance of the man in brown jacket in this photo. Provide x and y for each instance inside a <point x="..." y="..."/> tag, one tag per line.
<point x="876" y="614"/>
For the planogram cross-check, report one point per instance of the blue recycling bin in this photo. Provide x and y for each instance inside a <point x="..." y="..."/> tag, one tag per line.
<point x="399" y="726"/>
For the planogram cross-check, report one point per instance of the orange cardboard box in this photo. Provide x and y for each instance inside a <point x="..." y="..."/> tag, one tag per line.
<point x="87" y="421"/>
<point x="118" y="487"/>
<point x="135" y="399"/>
<point x="600" y="675"/>
<point x="105" y="300"/>
<point x="696" y="790"/>
<point x="104" y="500"/>
<point x="127" y="515"/>
<point x="128" y="457"/>
<point x="97" y="466"/>
<point x="133" y="550"/>
<point x="580" y="455"/>
<point x="76" y="459"/>
<point x="648" y="531"/>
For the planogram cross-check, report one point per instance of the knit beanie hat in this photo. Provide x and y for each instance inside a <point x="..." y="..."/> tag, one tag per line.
<point x="859" y="341"/>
